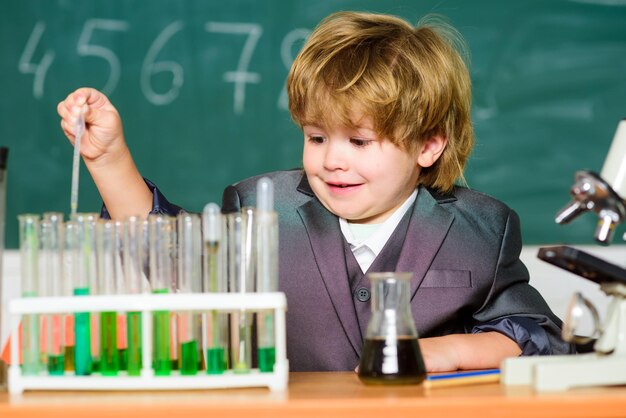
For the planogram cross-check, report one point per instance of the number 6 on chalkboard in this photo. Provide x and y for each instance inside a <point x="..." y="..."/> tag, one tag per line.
<point x="149" y="68"/>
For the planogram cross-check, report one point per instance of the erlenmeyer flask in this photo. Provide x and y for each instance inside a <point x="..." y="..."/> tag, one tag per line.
<point x="391" y="353"/>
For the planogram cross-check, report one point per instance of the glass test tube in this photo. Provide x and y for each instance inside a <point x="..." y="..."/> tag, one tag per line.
<point x="240" y="271"/>
<point x="52" y="285"/>
<point x="109" y="272"/>
<point x="267" y="270"/>
<point x="71" y="259"/>
<point x="4" y="153"/>
<point x="133" y="256"/>
<point x="189" y="281"/>
<point x="215" y="328"/>
<point x="29" y="253"/>
<point x="120" y="289"/>
<point x="85" y="354"/>
<point x="162" y="244"/>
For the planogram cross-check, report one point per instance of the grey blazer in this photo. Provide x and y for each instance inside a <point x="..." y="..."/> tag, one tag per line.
<point x="462" y="248"/>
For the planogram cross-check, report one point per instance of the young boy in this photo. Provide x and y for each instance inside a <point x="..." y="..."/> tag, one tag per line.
<point x="385" y="111"/>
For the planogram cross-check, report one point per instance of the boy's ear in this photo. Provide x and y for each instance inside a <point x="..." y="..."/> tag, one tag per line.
<point x="431" y="150"/>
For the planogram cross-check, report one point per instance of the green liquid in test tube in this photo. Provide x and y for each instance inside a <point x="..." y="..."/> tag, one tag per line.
<point x="215" y="360"/>
<point x="161" y="237"/>
<point x="189" y="358"/>
<point x="56" y="365"/>
<point x="133" y="326"/>
<point x="29" y="258"/>
<point x="161" y="333"/>
<point x="109" y="356"/>
<point x="267" y="358"/>
<point x="82" y="335"/>
<point x="267" y="270"/>
<point x="134" y="252"/>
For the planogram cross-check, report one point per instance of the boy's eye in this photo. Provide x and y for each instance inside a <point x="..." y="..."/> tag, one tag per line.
<point x="316" y="139"/>
<point x="360" y="142"/>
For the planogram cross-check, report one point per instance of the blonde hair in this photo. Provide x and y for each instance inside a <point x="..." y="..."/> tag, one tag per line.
<point x="412" y="82"/>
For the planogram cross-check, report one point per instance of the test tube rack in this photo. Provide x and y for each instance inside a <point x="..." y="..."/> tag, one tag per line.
<point x="147" y="304"/>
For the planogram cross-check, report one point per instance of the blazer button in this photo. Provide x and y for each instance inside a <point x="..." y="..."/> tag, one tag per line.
<point x="363" y="294"/>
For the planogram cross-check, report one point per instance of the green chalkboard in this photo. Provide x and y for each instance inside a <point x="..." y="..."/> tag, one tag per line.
<point x="199" y="85"/>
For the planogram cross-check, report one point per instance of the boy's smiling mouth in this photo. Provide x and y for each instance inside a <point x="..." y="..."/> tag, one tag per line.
<point x="342" y="187"/>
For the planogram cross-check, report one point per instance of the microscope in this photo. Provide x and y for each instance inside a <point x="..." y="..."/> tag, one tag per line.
<point x="605" y="195"/>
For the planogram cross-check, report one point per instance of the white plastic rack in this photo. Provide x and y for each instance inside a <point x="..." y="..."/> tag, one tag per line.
<point x="147" y="304"/>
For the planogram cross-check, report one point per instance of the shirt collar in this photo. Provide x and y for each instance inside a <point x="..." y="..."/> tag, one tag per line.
<point x="377" y="240"/>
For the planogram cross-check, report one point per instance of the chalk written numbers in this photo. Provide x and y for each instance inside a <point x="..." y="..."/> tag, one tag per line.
<point x="36" y="60"/>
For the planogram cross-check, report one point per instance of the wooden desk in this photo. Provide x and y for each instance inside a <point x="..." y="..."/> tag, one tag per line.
<point x="322" y="395"/>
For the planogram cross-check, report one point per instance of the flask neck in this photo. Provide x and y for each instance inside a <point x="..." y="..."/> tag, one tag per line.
<point x="390" y="294"/>
<point x="391" y="313"/>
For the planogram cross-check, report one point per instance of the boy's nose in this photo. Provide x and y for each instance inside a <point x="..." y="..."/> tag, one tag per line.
<point x="336" y="157"/>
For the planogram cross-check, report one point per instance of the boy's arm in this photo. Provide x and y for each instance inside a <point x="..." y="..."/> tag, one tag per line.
<point x="105" y="153"/>
<point x="123" y="190"/>
<point x="467" y="351"/>
<point x="513" y="307"/>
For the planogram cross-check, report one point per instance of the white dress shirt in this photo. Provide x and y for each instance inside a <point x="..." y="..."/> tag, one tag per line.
<point x="367" y="240"/>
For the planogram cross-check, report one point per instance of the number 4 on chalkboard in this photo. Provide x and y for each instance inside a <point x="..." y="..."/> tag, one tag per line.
<point x="25" y="65"/>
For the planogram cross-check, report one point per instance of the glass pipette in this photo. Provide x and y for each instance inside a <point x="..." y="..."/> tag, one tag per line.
<point x="79" y="130"/>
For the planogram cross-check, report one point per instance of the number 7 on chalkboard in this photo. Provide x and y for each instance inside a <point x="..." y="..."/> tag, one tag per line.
<point x="241" y="76"/>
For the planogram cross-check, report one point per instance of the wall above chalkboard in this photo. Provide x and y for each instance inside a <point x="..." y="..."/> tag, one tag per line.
<point x="200" y="87"/>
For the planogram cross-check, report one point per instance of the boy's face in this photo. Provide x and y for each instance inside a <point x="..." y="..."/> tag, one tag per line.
<point x="355" y="174"/>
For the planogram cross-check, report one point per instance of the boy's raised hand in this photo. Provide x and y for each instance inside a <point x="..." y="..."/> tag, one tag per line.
<point x="105" y="153"/>
<point x="103" y="138"/>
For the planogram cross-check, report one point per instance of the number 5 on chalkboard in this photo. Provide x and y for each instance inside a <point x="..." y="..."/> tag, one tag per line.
<point x="87" y="48"/>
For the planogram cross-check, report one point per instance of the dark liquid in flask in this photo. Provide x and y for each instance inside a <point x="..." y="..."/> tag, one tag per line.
<point x="392" y="362"/>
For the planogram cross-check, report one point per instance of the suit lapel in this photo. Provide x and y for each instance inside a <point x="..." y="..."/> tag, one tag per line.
<point x="328" y="249"/>
<point x="427" y="230"/>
